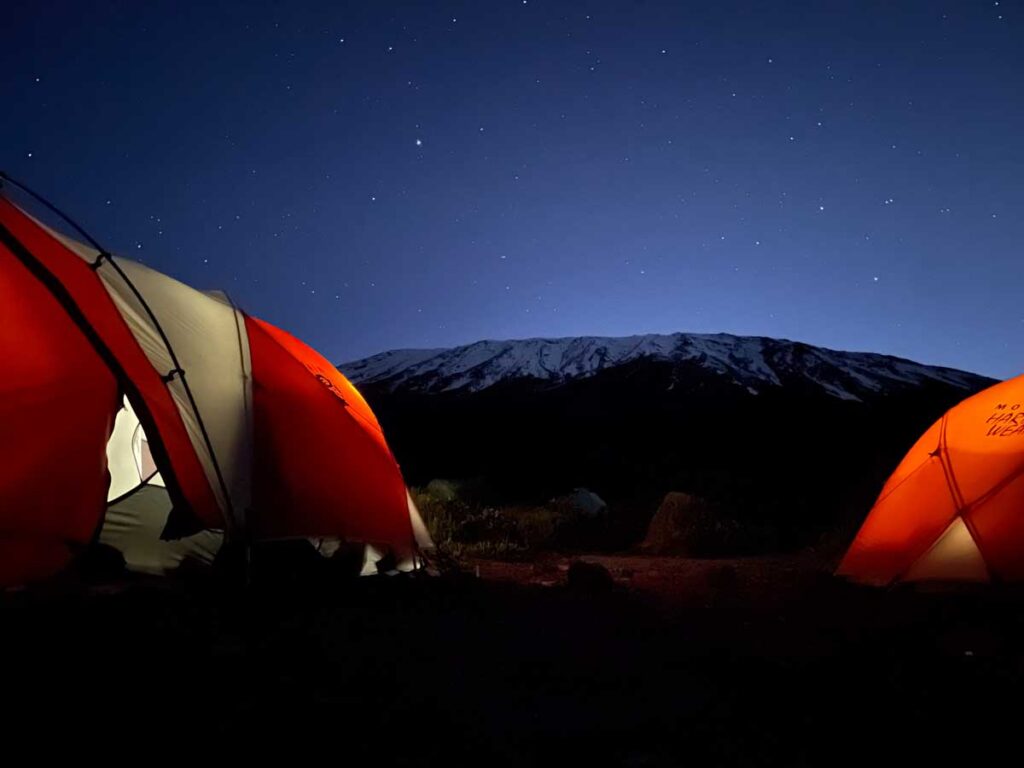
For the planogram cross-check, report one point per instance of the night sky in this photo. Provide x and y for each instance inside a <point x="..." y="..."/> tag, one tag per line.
<point x="379" y="175"/>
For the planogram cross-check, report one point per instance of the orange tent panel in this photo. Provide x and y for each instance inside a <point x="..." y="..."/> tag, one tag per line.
<point x="320" y="464"/>
<point x="968" y="466"/>
<point x="57" y="405"/>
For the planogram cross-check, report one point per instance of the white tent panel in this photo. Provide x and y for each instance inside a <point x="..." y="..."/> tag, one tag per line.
<point x="208" y="337"/>
<point x="371" y="556"/>
<point x="128" y="458"/>
<point x="124" y="470"/>
<point x="419" y="528"/>
<point x="953" y="557"/>
<point x="144" y="458"/>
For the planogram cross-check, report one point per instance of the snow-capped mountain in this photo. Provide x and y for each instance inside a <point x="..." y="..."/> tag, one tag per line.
<point x="755" y="363"/>
<point x="789" y="435"/>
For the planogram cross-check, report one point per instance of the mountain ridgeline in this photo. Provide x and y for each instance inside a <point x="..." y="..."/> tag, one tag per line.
<point x="777" y="434"/>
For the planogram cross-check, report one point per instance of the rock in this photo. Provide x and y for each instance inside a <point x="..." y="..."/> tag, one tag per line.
<point x="679" y="526"/>
<point x="587" y="577"/>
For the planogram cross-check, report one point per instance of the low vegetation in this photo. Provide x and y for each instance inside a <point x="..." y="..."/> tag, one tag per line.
<point x="463" y="525"/>
<point x="466" y="522"/>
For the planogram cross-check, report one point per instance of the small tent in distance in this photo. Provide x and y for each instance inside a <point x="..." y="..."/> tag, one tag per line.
<point x="954" y="508"/>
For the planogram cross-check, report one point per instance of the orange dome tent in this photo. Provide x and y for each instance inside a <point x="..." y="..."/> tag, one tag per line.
<point x="157" y="419"/>
<point x="954" y="508"/>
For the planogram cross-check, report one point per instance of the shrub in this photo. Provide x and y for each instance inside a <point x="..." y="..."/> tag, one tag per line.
<point x="691" y="526"/>
<point x="464" y="527"/>
<point x="461" y="529"/>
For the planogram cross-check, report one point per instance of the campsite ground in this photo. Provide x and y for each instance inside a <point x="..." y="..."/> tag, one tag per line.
<point x="761" y="661"/>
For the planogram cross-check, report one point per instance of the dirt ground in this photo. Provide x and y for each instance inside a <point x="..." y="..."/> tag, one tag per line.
<point x="679" y="662"/>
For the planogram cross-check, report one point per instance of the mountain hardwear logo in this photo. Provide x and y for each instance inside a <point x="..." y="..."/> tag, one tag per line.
<point x="329" y="384"/>
<point x="1007" y="420"/>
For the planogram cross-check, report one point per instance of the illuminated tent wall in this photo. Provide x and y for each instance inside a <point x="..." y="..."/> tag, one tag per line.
<point x="954" y="508"/>
<point x="125" y="393"/>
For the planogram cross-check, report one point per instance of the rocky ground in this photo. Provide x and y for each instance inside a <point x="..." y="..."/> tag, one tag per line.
<point x="641" y="662"/>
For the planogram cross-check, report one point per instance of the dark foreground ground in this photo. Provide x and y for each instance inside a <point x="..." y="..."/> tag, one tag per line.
<point x="755" y="662"/>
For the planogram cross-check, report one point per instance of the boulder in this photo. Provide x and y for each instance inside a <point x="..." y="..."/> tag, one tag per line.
<point x="679" y="527"/>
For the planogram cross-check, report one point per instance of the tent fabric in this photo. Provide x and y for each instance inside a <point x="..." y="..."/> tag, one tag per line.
<point x="419" y="528"/>
<point x="73" y="281"/>
<point x="179" y="327"/>
<point x="319" y="453"/>
<point x="954" y="557"/>
<point x="129" y="460"/>
<point x="134" y="525"/>
<point x="204" y="334"/>
<point x="954" y="502"/>
<point x="144" y="396"/>
<point x="57" y="404"/>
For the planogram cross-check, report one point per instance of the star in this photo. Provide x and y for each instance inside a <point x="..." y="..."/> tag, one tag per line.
<point x="419" y="143"/>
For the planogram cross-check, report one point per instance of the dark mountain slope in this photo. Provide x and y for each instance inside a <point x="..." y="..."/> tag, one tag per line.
<point x="798" y="447"/>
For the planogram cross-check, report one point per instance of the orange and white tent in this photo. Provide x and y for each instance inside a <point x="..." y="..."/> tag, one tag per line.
<point x="126" y="394"/>
<point x="954" y="508"/>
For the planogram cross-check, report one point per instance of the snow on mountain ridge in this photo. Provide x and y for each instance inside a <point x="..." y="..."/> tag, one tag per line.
<point x="753" y="362"/>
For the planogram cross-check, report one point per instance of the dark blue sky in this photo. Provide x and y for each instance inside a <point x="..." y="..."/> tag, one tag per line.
<point x="377" y="175"/>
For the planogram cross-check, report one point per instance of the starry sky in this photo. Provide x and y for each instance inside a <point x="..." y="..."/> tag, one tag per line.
<point x="378" y="175"/>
